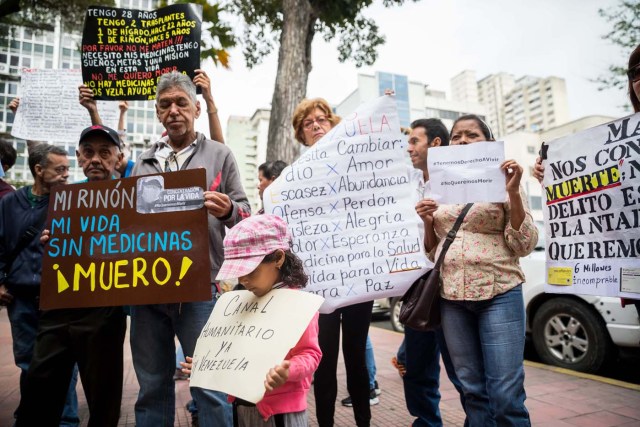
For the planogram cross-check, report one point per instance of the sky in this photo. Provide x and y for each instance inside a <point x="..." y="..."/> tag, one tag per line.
<point x="431" y="41"/>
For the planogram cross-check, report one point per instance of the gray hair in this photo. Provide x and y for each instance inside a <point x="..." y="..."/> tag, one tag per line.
<point x="39" y="155"/>
<point x="176" y="79"/>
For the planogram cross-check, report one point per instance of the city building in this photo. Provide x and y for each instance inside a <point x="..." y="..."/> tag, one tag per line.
<point x="524" y="104"/>
<point x="415" y="100"/>
<point x="25" y="48"/>
<point x="247" y="139"/>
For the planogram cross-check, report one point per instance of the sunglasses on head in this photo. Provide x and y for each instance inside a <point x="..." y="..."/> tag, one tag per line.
<point x="634" y="73"/>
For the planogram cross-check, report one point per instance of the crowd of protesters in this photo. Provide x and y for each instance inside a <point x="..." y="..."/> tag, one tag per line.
<point x="481" y="341"/>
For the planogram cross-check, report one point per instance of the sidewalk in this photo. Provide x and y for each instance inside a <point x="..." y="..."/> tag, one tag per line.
<point x="555" y="397"/>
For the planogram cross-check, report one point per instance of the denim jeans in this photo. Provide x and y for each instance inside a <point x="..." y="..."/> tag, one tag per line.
<point x="421" y="357"/>
<point x="371" y="363"/>
<point x="23" y="317"/>
<point x="153" y="330"/>
<point x="486" y="343"/>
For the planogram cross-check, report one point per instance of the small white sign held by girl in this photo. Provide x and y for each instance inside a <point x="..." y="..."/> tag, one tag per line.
<point x="266" y="336"/>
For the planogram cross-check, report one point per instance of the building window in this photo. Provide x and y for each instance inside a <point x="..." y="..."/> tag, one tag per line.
<point x="536" y="203"/>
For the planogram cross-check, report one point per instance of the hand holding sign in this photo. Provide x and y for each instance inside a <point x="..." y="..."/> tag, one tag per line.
<point x="277" y="376"/>
<point x="425" y="209"/>
<point x="218" y="204"/>
<point x="513" y="174"/>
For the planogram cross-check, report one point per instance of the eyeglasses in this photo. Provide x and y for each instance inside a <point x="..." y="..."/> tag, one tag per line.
<point x="634" y="74"/>
<point x="320" y="120"/>
<point x="62" y="169"/>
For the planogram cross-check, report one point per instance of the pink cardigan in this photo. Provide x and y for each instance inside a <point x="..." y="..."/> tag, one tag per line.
<point x="292" y="395"/>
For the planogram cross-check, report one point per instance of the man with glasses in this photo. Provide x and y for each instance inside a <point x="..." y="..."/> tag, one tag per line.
<point x="22" y="216"/>
<point x="91" y="337"/>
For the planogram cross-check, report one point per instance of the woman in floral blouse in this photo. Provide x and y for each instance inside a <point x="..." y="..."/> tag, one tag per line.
<point x="483" y="315"/>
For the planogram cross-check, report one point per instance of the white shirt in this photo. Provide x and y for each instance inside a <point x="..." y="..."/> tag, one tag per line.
<point x="169" y="160"/>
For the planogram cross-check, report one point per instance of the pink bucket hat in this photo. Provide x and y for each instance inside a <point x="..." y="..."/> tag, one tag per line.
<point x="249" y="241"/>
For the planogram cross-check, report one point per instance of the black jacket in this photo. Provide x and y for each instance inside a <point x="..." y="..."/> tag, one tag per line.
<point x="16" y="215"/>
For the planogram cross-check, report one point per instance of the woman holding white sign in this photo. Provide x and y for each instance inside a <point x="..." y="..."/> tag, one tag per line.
<point x="312" y="119"/>
<point x="483" y="316"/>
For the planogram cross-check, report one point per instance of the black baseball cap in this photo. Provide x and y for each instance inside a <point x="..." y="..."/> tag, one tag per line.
<point x="100" y="130"/>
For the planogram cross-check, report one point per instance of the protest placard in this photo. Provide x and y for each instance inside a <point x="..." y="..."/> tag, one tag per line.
<point x="247" y="335"/>
<point x="350" y="204"/>
<point x="49" y="108"/>
<point x="125" y="51"/>
<point x="592" y="211"/>
<point x="102" y="252"/>
<point x="467" y="173"/>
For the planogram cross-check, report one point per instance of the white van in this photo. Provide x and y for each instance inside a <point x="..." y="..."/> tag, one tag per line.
<point x="578" y="332"/>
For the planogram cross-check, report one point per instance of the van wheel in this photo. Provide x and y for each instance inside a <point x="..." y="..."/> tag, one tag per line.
<point x="394" y="314"/>
<point x="569" y="334"/>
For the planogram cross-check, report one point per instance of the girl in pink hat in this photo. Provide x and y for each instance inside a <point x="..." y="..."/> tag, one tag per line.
<point x="257" y="253"/>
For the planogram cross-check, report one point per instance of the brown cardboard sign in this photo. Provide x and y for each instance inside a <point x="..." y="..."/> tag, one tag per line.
<point x="141" y="240"/>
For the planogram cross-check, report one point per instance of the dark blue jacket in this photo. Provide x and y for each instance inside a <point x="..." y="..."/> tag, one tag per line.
<point x="16" y="215"/>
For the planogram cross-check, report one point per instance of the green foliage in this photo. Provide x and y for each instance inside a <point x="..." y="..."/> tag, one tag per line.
<point x="41" y="15"/>
<point x="625" y="33"/>
<point x="358" y="37"/>
<point x="217" y="36"/>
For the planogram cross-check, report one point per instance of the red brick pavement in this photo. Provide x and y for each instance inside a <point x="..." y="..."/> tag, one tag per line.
<point x="555" y="397"/>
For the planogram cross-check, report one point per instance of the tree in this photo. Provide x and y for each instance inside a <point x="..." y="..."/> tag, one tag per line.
<point x="216" y="34"/>
<point x="625" y="33"/>
<point x="293" y="24"/>
<point x="41" y="15"/>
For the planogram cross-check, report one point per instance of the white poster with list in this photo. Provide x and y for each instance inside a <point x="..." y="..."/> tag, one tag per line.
<point x="49" y="109"/>
<point x="350" y="204"/>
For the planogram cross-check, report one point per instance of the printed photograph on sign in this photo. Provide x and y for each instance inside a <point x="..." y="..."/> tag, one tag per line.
<point x="630" y="280"/>
<point x="152" y="197"/>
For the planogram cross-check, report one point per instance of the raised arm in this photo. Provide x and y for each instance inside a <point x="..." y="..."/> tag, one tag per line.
<point x="215" y="129"/>
<point x="87" y="101"/>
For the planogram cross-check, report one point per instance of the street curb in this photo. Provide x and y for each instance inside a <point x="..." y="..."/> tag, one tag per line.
<point x="592" y="377"/>
<point x="610" y="381"/>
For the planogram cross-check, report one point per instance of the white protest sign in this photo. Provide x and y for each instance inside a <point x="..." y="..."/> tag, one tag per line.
<point x="247" y="335"/>
<point x="471" y="173"/>
<point x="49" y="109"/>
<point x="592" y="212"/>
<point x="350" y="205"/>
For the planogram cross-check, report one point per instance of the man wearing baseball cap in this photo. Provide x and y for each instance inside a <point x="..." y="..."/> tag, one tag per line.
<point x="92" y="338"/>
<point x="98" y="149"/>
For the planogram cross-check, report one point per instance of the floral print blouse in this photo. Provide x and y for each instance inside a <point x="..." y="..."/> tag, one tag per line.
<point x="483" y="260"/>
